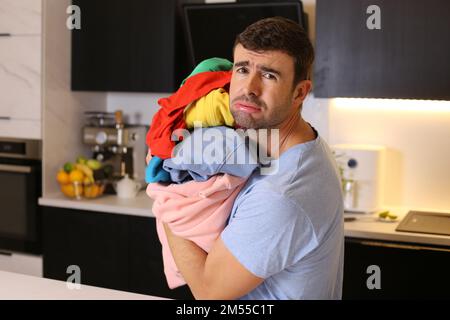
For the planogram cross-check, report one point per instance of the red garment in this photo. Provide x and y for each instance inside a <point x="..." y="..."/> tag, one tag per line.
<point x="170" y="116"/>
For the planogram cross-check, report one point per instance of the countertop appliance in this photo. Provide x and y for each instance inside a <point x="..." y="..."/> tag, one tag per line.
<point x="116" y="144"/>
<point x="362" y="171"/>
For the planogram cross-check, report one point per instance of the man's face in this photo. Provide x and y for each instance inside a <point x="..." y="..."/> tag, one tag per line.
<point x="261" y="88"/>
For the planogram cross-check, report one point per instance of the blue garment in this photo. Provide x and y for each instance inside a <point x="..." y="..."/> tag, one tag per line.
<point x="288" y="227"/>
<point x="154" y="171"/>
<point x="209" y="151"/>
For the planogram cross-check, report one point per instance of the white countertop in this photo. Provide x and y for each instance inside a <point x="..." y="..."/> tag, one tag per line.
<point x="365" y="227"/>
<point x="369" y="227"/>
<point x="16" y="286"/>
<point x="139" y="206"/>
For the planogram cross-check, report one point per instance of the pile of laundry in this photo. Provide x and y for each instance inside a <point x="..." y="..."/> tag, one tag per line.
<point x="197" y="162"/>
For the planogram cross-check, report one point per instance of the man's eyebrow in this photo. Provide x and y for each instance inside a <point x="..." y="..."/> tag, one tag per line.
<point x="267" y="69"/>
<point x="241" y="64"/>
<point x="259" y="67"/>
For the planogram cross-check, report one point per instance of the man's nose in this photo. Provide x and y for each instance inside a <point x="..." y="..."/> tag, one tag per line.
<point x="252" y="85"/>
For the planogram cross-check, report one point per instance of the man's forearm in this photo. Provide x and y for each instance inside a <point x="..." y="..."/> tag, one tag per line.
<point x="190" y="260"/>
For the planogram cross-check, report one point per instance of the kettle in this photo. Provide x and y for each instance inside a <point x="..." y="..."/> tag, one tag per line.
<point x="127" y="188"/>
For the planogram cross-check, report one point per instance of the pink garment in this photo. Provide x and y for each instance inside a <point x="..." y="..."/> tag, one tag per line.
<point x="196" y="211"/>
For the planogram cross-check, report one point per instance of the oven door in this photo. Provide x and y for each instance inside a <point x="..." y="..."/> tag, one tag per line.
<point x="20" y="215"/>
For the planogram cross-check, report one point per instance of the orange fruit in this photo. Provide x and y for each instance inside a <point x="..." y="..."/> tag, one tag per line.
<point x="62" y="177"/>
<point x="96" y="190"/>
<point x="68" y="190"/>
<point x="76" y="176"/>
<point x="88" y="191"/>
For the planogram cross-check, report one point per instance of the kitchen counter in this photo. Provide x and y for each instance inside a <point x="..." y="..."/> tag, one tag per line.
<point x="16" y="286"/>
<point x="364" y="227"/>
<point x="368" y="226"/>
<point x="139" y="206"/>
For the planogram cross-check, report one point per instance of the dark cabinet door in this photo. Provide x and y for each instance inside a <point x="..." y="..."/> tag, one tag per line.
<point x="406" y="271"/>
<point x="125" y="46"/>
<point x="407" y="58"/>
<point x="95" y="242"/>
<point x="112" y="251"/>
<point x="146" y="266"/>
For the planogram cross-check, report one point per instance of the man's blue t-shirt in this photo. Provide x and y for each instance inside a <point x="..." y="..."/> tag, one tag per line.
<point x="288" y="227"/>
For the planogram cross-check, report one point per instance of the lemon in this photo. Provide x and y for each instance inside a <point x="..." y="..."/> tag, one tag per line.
<point x="62" y="177"/>
<point x="76" y="176"/>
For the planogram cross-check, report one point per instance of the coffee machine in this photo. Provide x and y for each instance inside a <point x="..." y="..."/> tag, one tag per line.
<point x="120" y="147"/>
<point x="362" y="172"/>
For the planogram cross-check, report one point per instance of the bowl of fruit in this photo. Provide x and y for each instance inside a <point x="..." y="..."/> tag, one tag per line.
<point x="77" y="180"/>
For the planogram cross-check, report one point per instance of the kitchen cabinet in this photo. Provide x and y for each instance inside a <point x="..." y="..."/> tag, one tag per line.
<point x="113" y="251"/>
<point x="20" y="68"/>
<point x="128" y="46"/>
<point x="20" y="17"/>
<point x="407" y="270"/>
<point x="20" y="77"/>
<point x="406" y="58"/>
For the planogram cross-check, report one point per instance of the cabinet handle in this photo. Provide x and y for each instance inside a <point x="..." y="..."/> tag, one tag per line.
<point x="3" y="253"/>
<point x="401" y="246"/>
<point x="16" y="169"/>
<point x="5" y="118"/>
<point x="5" y="34"/>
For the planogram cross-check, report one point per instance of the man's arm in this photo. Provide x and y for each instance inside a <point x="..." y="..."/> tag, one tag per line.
<point x="217" y="275"/>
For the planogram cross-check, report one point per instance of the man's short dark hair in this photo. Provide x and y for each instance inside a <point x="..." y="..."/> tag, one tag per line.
<point x="284" y="35"/>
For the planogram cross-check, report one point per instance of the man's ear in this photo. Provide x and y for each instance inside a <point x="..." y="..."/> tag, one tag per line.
<point x="301" y="90"/>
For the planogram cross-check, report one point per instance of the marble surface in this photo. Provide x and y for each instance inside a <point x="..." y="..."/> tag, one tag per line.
<point x="19" y="17"/>
<point x="368" y="226"/>
<point x="20" y="77"/>
<point x="139" y="206"/>
<point x="16" y="286"/>
<point x="20" y="69"/>
<point x="18" y="128"/>
<point x="63" y="109"/>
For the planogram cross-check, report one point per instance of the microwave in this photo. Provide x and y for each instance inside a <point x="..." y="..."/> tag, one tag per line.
<point x="20" y="188"/>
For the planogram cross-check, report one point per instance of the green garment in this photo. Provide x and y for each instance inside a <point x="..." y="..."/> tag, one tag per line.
<point x="212" y="64"/>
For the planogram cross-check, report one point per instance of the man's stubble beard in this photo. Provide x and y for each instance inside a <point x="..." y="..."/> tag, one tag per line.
<point x="245" y="120"/>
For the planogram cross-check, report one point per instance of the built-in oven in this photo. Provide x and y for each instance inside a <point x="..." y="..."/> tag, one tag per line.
<point x="20" y="188"/>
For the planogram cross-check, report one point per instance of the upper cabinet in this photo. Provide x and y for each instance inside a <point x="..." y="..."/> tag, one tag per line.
<point x="20" y="17"/>
<point x="383" y="49"/>
<point x="20" y="78"/>
<point x="128" y="46"/>
<point x="20" y="68"/>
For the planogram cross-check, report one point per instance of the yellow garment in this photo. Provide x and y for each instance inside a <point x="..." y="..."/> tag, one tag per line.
<point x="212" y="110"/>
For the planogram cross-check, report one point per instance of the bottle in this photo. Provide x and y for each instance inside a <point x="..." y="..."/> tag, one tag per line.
<point x="349" y="194"/>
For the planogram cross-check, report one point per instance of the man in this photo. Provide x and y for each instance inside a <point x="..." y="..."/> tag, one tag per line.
<point x="284" y="238"/>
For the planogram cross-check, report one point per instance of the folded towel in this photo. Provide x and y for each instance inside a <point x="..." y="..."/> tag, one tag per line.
<point x="196" y="211"/>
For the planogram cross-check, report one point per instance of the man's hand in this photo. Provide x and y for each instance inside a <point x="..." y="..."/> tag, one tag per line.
<point x="217" y="275"/>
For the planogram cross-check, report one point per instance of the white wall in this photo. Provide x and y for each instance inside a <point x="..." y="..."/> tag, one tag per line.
<point x="417" y="136"/>
<point x="62" y="108"/>
<point x="138" y="108"/>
